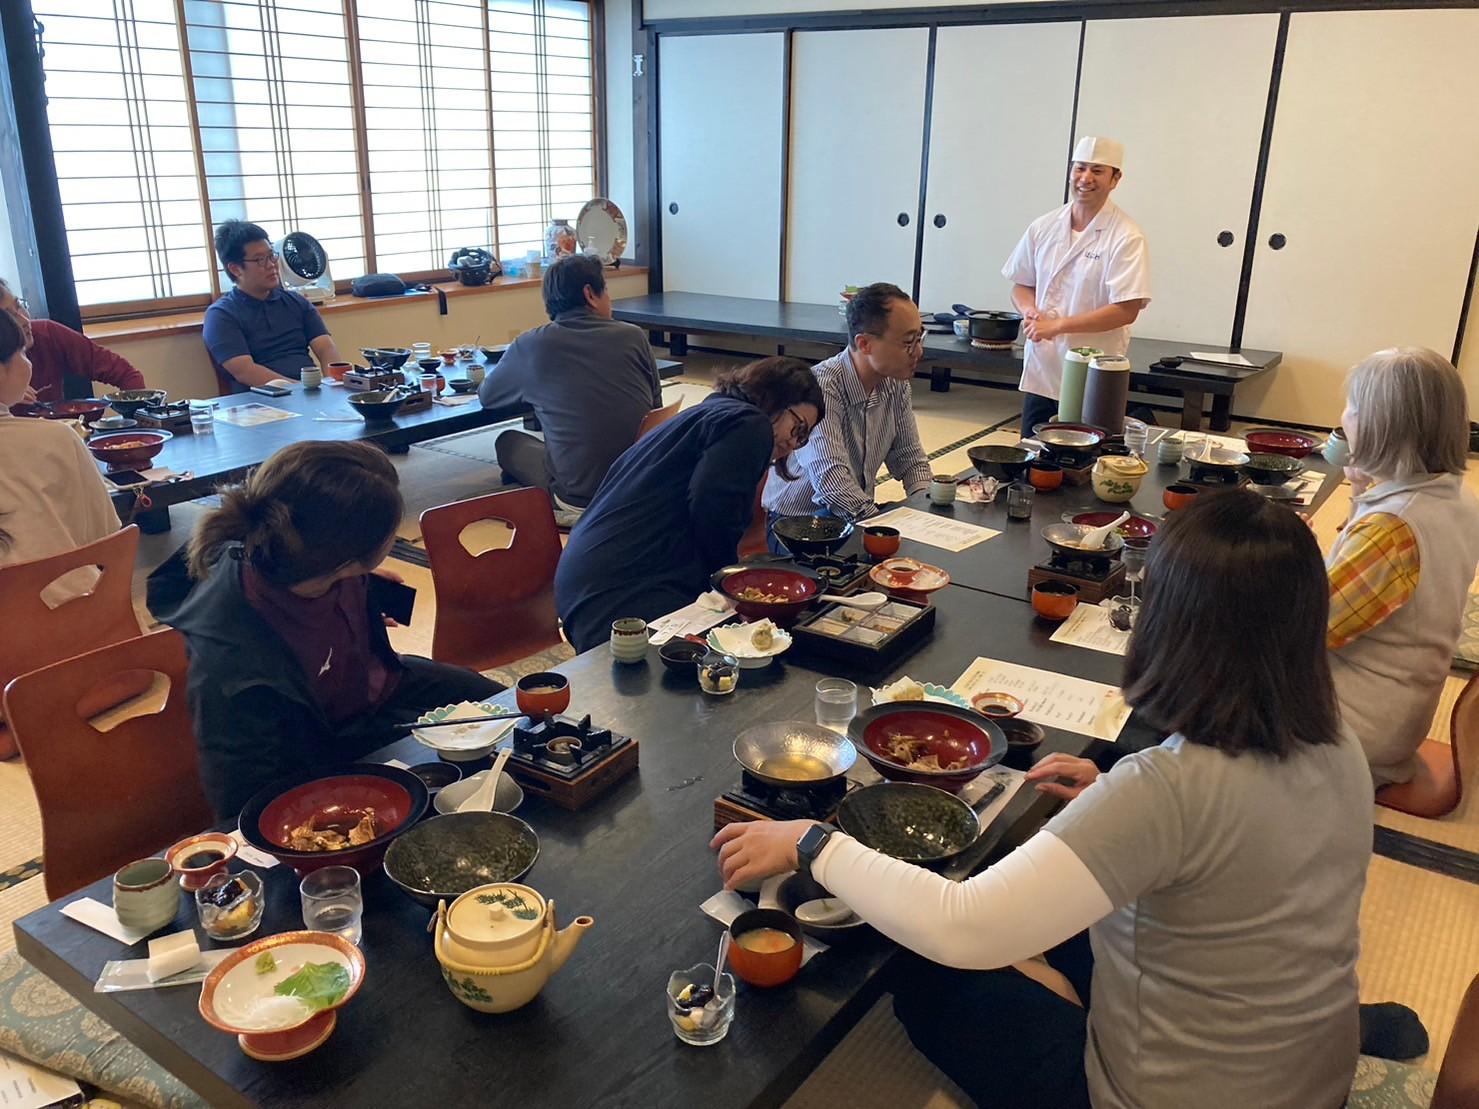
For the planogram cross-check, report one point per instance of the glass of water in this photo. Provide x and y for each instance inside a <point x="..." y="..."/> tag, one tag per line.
<point x="1137" y="436"/>
<point x="332" y="902"/>
<point x="837" y="701"/>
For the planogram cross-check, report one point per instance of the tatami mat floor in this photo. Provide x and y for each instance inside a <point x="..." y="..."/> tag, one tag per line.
<point x="1420" y="942"/>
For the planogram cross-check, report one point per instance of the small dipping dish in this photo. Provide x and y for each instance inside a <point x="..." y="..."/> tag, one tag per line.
<point x="997" y="705"/>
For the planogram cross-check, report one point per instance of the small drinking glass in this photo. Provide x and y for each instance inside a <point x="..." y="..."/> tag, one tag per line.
<point x="1019" y="501"/>
<point x="1137" y="436"/>
<point x="705" y="1024"/>
<point x="836" y="702"/>
<point x="202" y="418"/>
<point x="332" y="902"/>
<point x="1133" y="556"/>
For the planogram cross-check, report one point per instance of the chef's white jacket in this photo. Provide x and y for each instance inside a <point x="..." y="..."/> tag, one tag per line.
<point x="1106" y="264"/>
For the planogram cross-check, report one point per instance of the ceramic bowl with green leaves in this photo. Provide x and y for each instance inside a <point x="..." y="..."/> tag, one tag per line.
<point x="916" y="823"/>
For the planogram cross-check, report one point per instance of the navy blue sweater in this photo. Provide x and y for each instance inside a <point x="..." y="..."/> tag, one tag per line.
<point x="671" y="511"/>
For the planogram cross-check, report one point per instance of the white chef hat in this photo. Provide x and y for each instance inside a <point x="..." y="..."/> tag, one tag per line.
<point x="1100" y="151"/>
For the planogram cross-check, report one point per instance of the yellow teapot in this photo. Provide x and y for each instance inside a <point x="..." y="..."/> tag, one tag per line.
<point x="1116" y="478"/>
<point x="498" y="945"/>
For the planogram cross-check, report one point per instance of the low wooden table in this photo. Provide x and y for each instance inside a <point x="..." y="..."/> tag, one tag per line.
<point x="639" y="862"/>
<point x="683" y="314"/>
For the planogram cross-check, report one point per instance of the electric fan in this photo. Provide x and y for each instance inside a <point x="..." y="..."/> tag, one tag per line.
<point x="303" y="266"/>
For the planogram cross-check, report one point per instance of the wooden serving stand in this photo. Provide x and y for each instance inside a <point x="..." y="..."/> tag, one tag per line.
<point x="364" y="380"/>
<point x="1090" y="590"/>
<point x="577" y="792"/>
<point x="415" y="402"/>
<point x="1081" y="476"/>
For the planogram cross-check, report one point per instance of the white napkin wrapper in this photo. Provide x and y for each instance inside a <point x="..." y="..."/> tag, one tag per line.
<point x="132" y="974"/>
<point x="102" y="918"/>
<point x="249" y="854"/>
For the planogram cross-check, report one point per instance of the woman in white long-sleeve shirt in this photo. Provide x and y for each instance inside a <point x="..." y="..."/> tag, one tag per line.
<point x="52" y="498"/>
<point x="1218" y="875"/>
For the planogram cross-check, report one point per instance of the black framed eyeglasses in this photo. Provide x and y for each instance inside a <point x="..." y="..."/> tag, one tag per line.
<point x="800" y="430"/>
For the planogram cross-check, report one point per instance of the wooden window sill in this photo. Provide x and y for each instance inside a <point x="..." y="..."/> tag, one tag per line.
<point x="177" y="323"/>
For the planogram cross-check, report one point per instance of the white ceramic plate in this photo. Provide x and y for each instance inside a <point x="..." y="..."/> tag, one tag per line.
<point x="247" y="1001"/>
<point x="601" y="225"/>
<point x="932" y="692"/>
<point x="469" y="742"/>
<point x="734" y="639"/>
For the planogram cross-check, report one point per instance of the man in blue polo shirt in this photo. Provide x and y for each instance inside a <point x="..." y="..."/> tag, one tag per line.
<point x="259" y="331"/>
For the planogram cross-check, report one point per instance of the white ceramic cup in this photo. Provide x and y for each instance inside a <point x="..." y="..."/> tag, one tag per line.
<point x="145" y="894"/>
<point x="629" y="639"/>
<point x="475" y="372"/>
<point x="311" y="377"/>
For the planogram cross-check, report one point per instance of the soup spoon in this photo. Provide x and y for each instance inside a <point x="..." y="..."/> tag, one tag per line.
<point x="482" y="799"/>
<point x="857" y="600"/>
<point x="1093" y="540"/>
<point x="824" y="911"/>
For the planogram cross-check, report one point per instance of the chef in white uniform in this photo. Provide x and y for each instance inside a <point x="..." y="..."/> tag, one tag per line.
<point x="1080" y="276"/>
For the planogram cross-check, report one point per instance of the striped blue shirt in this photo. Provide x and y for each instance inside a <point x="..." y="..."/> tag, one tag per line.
<point x="860" y="435"/>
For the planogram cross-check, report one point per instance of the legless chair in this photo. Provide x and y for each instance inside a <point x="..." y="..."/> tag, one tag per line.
<point x="1438" y="786"/>
<point x="496" y="606"/>
<point x="659" y="416"/>
<point x="115" y="775"/>
<point x="38" y="635"/>
<point x="753" y="542"/>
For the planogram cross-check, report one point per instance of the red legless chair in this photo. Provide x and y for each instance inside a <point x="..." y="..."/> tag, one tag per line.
<point x="38" y="635"/>
<point x="659" y="416"/>
<point x="496" y="606"/>
<point x="1438" y="786"/>
<point x="116" y="779"/>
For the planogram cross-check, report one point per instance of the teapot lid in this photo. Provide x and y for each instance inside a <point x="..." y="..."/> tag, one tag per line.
<point x="1122" y="464"/>
<point x="497" y="914"/>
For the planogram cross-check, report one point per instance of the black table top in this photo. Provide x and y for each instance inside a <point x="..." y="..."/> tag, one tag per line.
<point x="230" y="451"/>
<point x="1000" y="564"/>
<point x="822" y="323"/>
<point x="637" y="860"/>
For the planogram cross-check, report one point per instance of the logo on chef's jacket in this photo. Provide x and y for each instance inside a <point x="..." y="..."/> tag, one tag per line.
<point x="1094" y="254"/>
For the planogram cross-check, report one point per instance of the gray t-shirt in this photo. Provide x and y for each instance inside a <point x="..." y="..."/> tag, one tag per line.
<point x="590" y="381"/>
<point x="1226" y="976"/>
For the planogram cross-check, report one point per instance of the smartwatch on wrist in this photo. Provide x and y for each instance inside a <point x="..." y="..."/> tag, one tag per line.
<point x="810" y="845"/>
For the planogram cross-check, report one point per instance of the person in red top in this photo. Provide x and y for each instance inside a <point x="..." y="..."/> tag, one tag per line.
<point x="55" y="350"/>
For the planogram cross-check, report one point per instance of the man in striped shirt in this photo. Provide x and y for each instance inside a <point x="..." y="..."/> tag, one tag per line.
<point x="870" y="419"/>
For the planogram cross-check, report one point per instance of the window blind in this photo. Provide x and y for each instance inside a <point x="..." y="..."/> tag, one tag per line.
<point x="277" y="130"/>
<point x="426" y="130"/>
<point x="125" y="155"/>
<point x="542" y="78"/>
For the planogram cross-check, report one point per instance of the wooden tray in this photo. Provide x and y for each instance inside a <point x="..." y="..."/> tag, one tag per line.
<point x="816" y="636"/>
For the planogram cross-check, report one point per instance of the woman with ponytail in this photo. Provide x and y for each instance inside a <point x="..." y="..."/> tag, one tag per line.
<point x="52" y="498"/>
<point x="290" y="666"/>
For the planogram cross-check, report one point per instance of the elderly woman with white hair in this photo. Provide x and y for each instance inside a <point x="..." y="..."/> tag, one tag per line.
<point x="1401" y="569"/>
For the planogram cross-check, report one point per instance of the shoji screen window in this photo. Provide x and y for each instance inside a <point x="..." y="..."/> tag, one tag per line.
<point x="277" y="127"/>
<point x="541" y="69"/>
<point x="125" y="154"/>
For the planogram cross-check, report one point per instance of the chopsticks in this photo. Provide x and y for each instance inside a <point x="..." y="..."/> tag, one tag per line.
<point x="464" y="720"/>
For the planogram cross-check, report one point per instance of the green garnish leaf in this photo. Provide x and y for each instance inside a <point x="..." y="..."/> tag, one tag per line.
<point x="317" y="985"/>
<point x="266" y="964"/>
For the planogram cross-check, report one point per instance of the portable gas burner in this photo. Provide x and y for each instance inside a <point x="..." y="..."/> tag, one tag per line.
<point x="757" y="800"/>
<point x="174" y="416"/>
<point x="366" y="380"/>
<point x="837" y="573"/>
<point x="1214" y="477"/>
<point x="569" y="761"/>
<point x="1096" y="576"/>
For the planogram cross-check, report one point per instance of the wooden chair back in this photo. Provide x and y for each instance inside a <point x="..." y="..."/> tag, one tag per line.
<point x="38" y="635"/>
<point x="659" y="416"/>
<point x="108" y="741"/>
<point x="494" y="606"/>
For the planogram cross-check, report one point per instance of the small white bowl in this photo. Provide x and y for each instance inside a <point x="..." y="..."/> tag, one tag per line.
<point x="508" y="797"/>
<point x="469" y="744"/>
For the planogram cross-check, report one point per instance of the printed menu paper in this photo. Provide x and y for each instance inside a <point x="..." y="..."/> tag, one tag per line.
<point x="1089" y="626"/>
<point x="933" y="530"/>
<point x="1057" y="700"/>
<point x="252" y="415"/>
<point x="26" y="1086"/>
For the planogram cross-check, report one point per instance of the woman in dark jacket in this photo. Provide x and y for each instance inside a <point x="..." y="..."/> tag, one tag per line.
<point x="673" y="508"/>
<point x="290" y="666"/>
